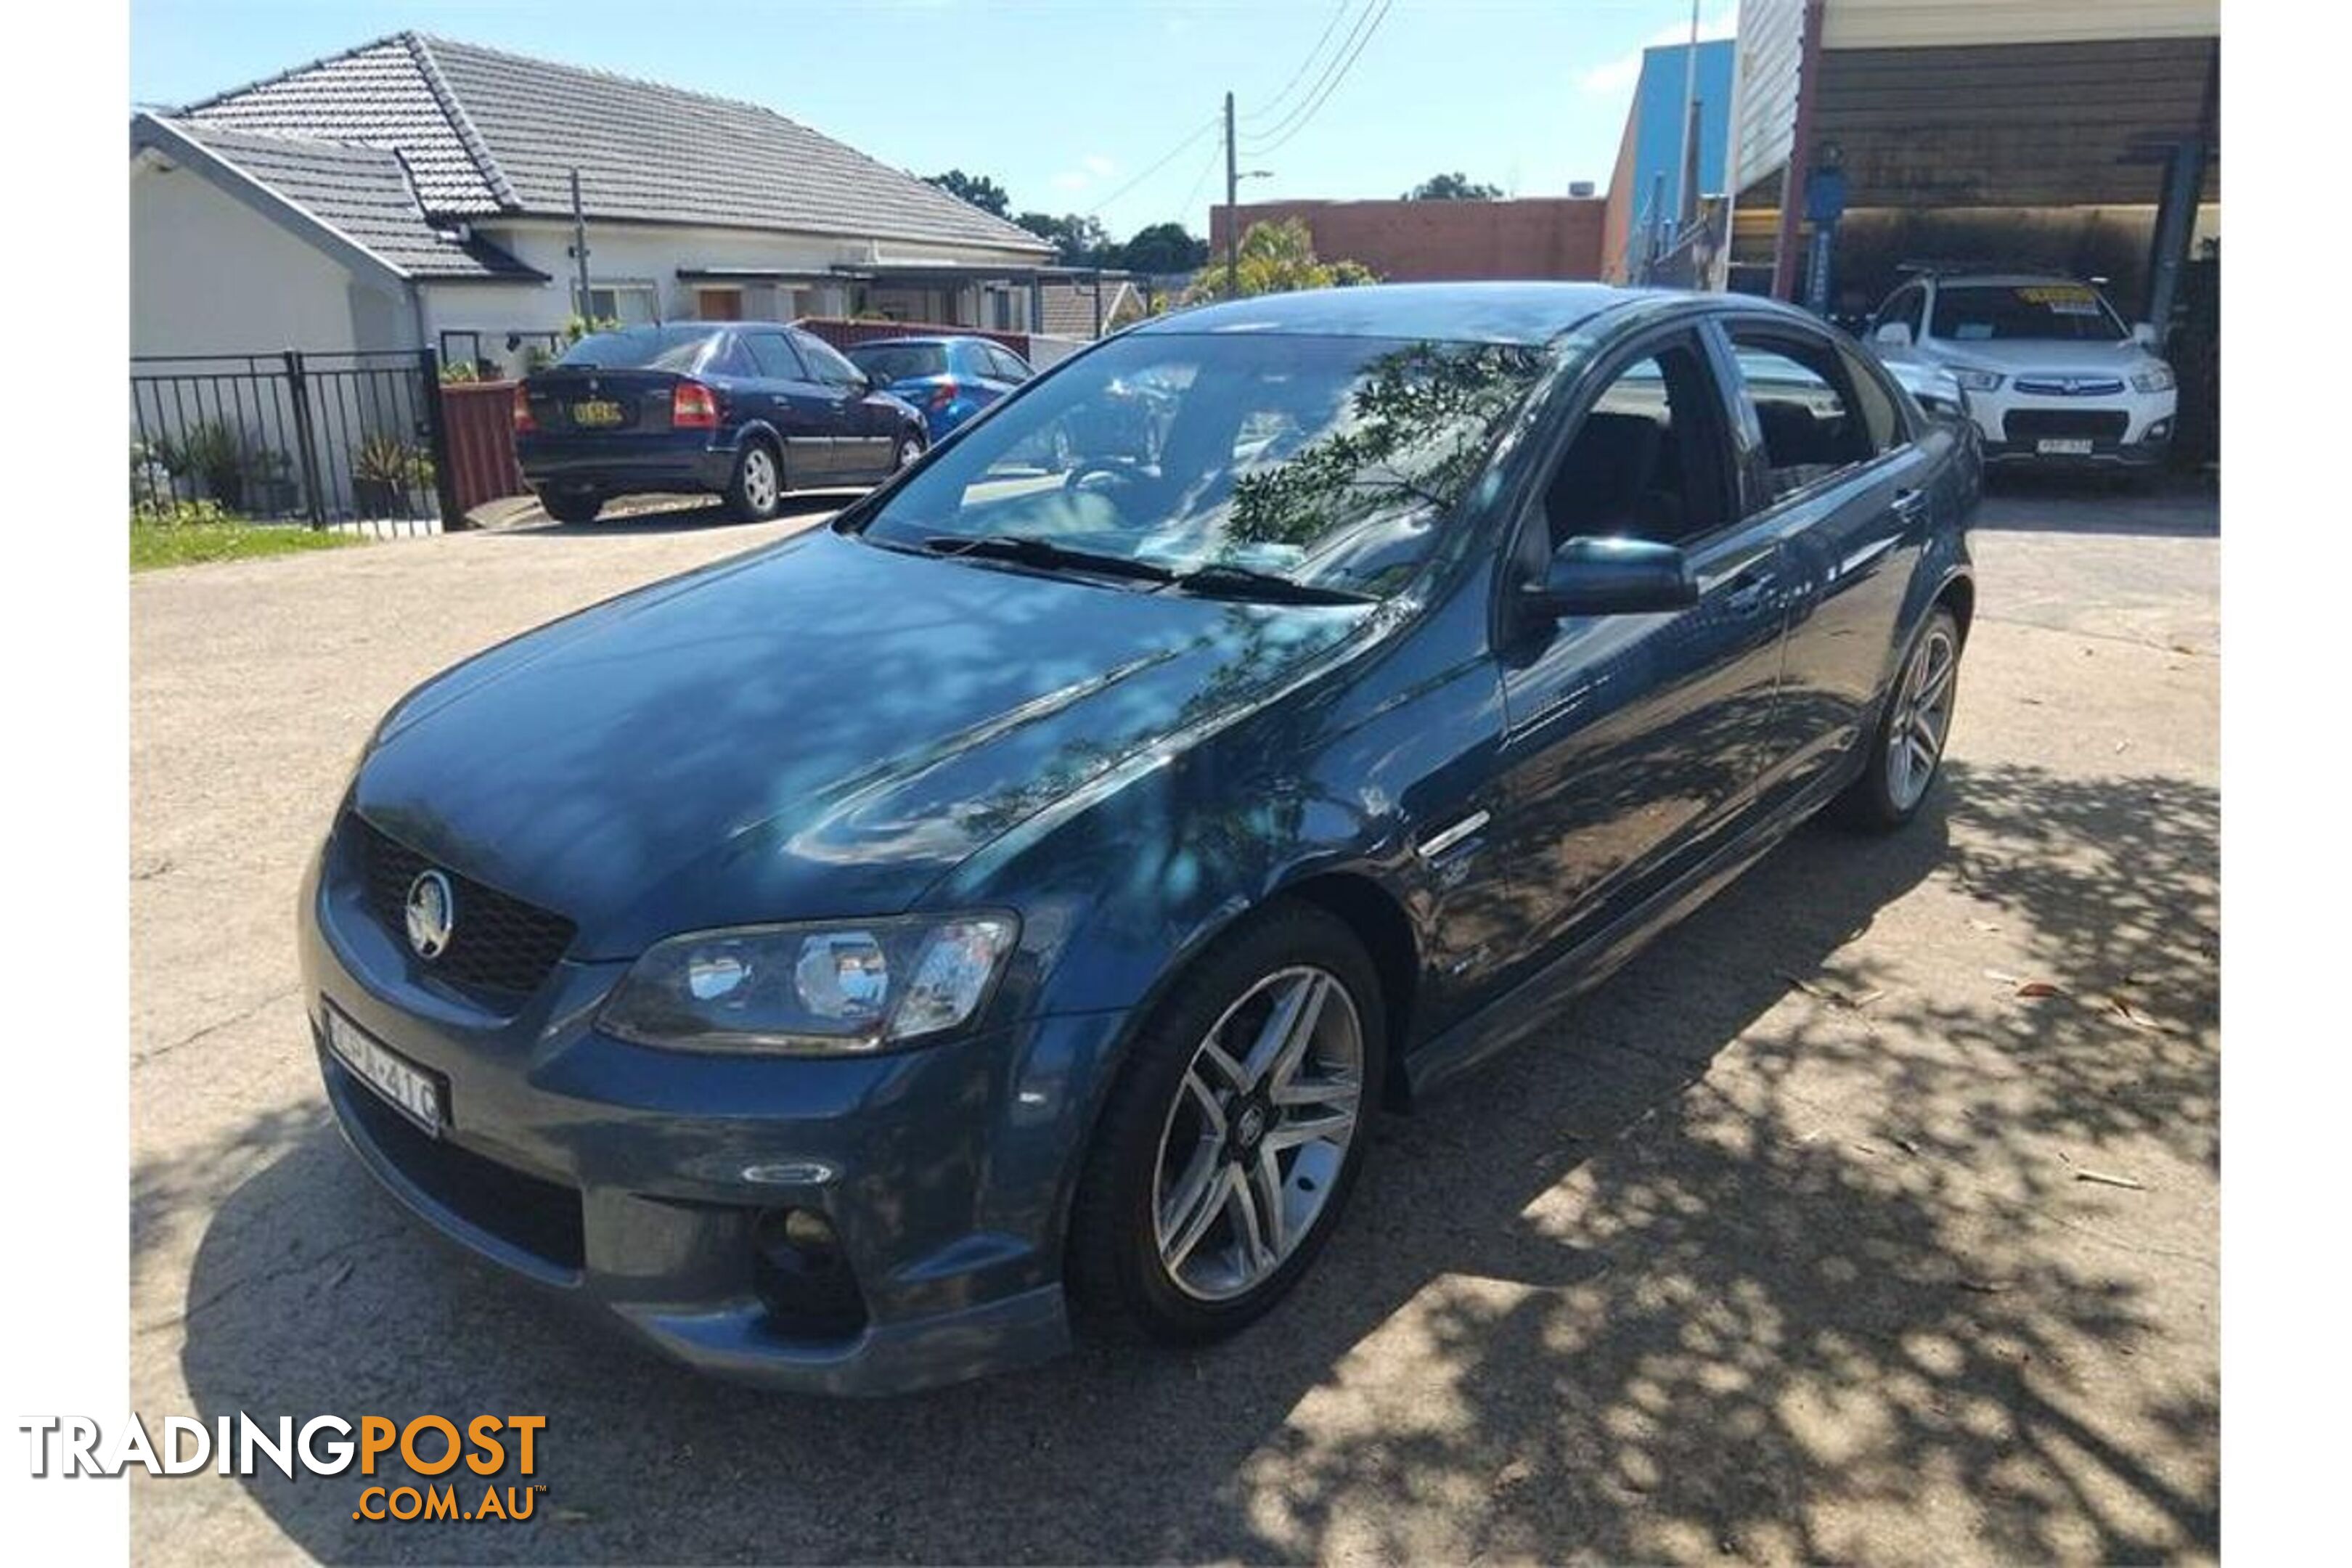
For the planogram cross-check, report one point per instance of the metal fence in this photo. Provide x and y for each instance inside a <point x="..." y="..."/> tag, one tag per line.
<point x="337" y="440"/>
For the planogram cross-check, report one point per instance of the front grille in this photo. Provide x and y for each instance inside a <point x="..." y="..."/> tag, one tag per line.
<point x="2064" y="423"/>
<point x="498" y="943"/>
<point x="2071" y="386"/>
<point x="540" y="1218"/>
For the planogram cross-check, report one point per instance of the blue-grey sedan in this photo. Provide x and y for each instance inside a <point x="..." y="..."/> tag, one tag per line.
<point x="849" y="965"/>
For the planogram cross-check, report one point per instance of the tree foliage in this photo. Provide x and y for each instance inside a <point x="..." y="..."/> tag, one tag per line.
<point x="1276" y="258"/>
<point x="1164" y="247"/>
<point x="977" y="189"/>
<point x="1078" y="239"/>
<point x="1456" y="186"/>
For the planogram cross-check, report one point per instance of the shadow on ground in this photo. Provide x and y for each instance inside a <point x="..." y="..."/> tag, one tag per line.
<point x="2166" y="505"/>
<point x="673" y="515"/>
<point x="1600" y="1301"/>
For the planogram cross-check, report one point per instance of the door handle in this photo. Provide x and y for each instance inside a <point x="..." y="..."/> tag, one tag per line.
<point x="1910" y="505"/>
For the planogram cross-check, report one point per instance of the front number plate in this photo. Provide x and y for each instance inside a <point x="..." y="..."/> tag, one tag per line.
<point x="596" y="414"/>
<point x="2059" y="446"/>
<point x="412" y="1091"/>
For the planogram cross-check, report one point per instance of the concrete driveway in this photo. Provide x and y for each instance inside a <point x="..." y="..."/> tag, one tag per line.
<point x="1820" y="1232"/>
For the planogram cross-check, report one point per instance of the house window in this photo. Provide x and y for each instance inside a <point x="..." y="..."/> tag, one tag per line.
<point x="631" y="304"/>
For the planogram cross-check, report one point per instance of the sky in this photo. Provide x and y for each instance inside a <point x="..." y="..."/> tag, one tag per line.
<point x="1074" y="106"/>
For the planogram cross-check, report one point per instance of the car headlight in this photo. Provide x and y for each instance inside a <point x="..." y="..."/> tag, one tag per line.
<point x="1978" y="380"/>
<point x="830" y="988"/>
<point x="2156" y="378"/>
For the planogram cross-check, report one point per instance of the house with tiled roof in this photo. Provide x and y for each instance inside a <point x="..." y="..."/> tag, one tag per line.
<point x="416" y="191"/>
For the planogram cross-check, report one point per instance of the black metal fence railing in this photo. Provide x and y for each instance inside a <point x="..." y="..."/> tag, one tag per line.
<point x="352" y="440"/>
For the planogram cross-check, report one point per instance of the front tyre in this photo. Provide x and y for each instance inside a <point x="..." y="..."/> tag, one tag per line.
<point x="1234" y="1133"/>
<point x="757" y="486"/>
<point x="1906" y="754"/>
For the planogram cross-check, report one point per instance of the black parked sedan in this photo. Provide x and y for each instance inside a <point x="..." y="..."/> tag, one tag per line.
<point x="854" y="963"/>
<point x="746" y="411"/>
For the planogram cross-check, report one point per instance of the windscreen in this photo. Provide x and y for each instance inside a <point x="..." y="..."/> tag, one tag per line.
<point x="1327" y="460"/>
<point x="1978" y="313"/>
<point x="640" y="348"/>
<point x="900" y="361"/>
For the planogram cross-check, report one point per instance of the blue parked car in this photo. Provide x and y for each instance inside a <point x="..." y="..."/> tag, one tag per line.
<point x="741" y="410"/>
<point x="849" y="964"/>
<point x="950" y="379"/>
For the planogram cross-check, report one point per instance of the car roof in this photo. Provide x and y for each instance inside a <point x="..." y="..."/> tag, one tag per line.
<point x="934" y="341"/>
<point x="1528" y="314"/>
<point x="1468" y="312"/>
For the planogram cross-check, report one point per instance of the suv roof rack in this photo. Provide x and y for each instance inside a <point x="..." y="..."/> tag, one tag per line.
<point x="1933" y="267"/>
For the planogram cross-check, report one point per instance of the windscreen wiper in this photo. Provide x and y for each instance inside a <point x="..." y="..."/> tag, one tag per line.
<point x="1224" y="580"/>
<point x="1044" y="552"/>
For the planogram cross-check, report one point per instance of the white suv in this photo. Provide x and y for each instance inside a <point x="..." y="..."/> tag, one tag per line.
<point x="2053" y="374"/>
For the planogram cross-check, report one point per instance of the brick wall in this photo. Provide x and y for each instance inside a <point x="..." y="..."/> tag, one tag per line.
<point x="1404" y="242"/>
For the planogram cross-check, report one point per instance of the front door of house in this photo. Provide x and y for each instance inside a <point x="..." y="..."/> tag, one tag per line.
<point x="718" y="304"/>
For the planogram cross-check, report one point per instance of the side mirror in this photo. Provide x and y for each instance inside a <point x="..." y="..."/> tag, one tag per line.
<point x="1892" y="335"/>
<point x="1613" y="577"/>
<point x="2144" y="334"/>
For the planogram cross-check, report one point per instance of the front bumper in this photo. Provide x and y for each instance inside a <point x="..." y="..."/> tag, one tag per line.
<point x="634" y="1182"/>
<point x="2131" y="429"/>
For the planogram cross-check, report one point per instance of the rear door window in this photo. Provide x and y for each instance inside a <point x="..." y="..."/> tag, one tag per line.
<point x="1814" y="424"/>
<point x="775" y="356"/>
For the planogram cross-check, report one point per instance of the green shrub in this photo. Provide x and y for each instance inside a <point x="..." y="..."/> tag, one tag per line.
<point x="165" y="513"/>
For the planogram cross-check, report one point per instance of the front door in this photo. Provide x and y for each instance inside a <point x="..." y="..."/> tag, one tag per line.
<point x="1634" y="742"/>
<point x="718" y="304"/>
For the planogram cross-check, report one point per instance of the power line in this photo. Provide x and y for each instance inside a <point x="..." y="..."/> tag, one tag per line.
<point x="1198" y="181"/>
<point x="1266" y="110"/>
<point x="1345" y="66"/>
<point x="1162" y="161"/>
<point x="1336" y="63"/>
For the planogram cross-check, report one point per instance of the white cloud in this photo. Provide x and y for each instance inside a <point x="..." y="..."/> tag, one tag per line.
<point x="1094" y="166"/>
<point x="1618" y="75"/>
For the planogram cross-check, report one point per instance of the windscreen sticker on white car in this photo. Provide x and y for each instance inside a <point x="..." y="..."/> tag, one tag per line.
<point x="2062" y="299"/>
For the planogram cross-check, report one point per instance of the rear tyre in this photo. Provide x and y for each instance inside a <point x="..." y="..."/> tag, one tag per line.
<point x="573" y="505"/>
<point x="756" y="488"/>
<point x="1234" y="1135"/>
<point x="1906" y="754"/>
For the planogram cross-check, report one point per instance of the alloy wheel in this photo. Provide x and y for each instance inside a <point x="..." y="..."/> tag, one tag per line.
<point x="760" y="479"/>
<point x="1923" y="717"/>
<point x="1253" y="1142"/>
<point x="909" y="450"/>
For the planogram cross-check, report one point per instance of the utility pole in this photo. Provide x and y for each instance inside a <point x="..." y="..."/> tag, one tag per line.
<point x="580" y="252"/>
<point x="1684" y="191"/>
<point x="1233" y="208"/>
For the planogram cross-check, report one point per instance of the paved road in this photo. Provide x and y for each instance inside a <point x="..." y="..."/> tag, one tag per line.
<point x="1784" y="1245"/>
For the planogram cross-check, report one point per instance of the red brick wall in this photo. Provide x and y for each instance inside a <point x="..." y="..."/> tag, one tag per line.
<point x="1406" y="242"/>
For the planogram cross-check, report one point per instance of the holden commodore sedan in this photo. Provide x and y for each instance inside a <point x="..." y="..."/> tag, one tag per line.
<point x="852" y="964"/>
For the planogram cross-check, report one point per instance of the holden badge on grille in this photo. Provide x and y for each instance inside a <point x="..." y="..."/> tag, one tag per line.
<point x="432" y="914"/>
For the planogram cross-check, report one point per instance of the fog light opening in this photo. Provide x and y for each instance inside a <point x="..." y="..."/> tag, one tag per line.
<point x="802" y="1276"/>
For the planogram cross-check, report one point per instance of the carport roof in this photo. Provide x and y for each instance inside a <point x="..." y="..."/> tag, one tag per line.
<point x="486" y="132"/>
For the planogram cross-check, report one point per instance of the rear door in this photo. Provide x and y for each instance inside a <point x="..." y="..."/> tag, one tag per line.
<point x="865" y="425"/>
<point x="800" y="408"/>
<point x="1634" y="743"/>
<point x="1832" y="469"/>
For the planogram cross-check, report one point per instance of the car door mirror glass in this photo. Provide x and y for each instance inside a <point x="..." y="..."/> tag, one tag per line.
<point x="1613" y="576"/>
<point x="1892" y="335"/>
